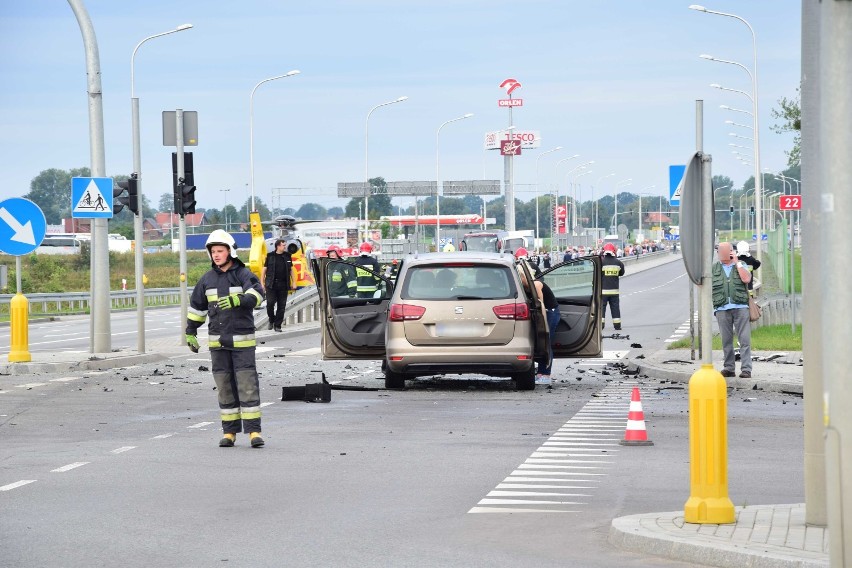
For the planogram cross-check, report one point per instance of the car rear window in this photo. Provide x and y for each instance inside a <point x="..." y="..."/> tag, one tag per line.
<point x="458" y="281"/>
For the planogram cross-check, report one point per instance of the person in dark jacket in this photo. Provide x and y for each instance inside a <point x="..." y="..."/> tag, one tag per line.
<point x="227" y="294"/>
<point x="730" y="305"/>
<point x="275" y="278"/>
<point x="366" y="282"/>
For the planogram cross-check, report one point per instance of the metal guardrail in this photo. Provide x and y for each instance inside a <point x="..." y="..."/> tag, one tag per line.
<point x="302" y="306"/>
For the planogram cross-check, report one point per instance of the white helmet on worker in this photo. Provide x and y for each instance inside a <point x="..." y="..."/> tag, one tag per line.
<point x="742" y="249"/>
<point x="220" y="237"/>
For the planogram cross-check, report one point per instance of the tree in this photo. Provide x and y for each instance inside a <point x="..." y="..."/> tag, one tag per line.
<point x="311" y="211"/>
<point x="259" y="206"/>
<point x="335" y="212"/>
<point x="51" y="191"/>
<point x="790" y="115"/>
<point x="166" y="203"/>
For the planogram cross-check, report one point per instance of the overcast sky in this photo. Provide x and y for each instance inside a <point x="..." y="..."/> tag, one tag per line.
<point x="614" y="81"/>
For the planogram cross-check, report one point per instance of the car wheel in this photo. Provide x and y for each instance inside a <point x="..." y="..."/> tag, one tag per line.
<point x="525" y="381"/>
<point x="394" y="380"/>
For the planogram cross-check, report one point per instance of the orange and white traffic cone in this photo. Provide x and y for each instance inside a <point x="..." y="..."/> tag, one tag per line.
<point x="635" y="434"/>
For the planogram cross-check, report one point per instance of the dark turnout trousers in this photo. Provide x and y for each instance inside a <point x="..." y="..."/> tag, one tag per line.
<point x="235" y="373"/>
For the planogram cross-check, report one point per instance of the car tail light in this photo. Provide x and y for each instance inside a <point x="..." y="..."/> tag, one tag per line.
<point x="403" y="312"/>
<point x="512" y="311"/>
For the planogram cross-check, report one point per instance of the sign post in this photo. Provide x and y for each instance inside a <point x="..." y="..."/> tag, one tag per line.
<point x="22" y="228"/>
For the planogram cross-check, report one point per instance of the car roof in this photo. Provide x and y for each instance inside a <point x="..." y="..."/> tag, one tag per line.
<point x="464" y="256"/>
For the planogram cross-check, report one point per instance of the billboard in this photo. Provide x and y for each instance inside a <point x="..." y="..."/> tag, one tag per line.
<point x="529" y="138"/>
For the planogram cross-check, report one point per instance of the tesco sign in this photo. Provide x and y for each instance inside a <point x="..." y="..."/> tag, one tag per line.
<point x="528" y="139"/>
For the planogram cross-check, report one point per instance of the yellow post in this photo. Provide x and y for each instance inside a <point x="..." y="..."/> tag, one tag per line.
<point x="708" y="449"/>
<point x="257" y="254"/>
<point x="19" y="309"/>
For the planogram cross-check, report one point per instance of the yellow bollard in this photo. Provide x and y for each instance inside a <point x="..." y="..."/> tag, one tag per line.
<point x="19" y="310"/>
<point x="708" y="449"/>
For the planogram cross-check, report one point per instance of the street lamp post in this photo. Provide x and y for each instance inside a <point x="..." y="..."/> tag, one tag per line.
<point x="556" y="196"/>
<point x="574" y="197"/>
<point x="367" y="162"/>
<point x="639" y="232"/>
<point x="755" y="113"/>
<point x="226" y="205"/>
<point x="594" y="198"/>
<point x="251" y="125"/>
<point x="625" y="183"/>
<point x="438" y="179"/>
<point x="536" y="186"/>
<point x="138" y="228"/>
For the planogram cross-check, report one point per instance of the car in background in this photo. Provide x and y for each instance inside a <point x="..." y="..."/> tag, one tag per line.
<point x="448" y="314"/>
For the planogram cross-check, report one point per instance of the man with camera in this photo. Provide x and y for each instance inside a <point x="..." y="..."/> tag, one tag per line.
<point x="730" y="304"/>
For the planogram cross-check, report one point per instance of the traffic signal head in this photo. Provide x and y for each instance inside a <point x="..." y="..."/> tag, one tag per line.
<point x="751" y="210"/>
<point x="184" y="199"/>
<point x="732" y="208"/>
<point x="120" y="197"/>
<point x="127" y="193"/>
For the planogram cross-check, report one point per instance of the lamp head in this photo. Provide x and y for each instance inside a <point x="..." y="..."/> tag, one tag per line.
<point x="705" y="56"/>
<point x="291" y="73"/>
<point x="468" y="115"/>
<point x="697" y="7"/>
<point x="402" y="98"/>
<point x="182" y="27"/>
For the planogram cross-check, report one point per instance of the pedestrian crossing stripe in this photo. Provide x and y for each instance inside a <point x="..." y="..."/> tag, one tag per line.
<point x="91" y="197"/>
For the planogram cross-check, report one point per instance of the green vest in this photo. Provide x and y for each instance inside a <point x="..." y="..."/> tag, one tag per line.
<point x="728" y="289"/>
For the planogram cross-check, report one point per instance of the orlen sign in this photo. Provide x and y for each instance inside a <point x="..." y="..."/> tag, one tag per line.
<point x="528" y="139"/>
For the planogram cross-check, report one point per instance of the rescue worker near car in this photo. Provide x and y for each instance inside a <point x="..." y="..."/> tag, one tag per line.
<point x="342" y="280"/>
<point x="366" y="282"/>
<point x="612" y="269"/>
<point x="228" y="293"/>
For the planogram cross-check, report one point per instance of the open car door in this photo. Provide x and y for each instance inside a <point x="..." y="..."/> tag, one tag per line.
<point x="352" y="327"/>
<point x="577" y="287"/>
<point x="537" y="314"/>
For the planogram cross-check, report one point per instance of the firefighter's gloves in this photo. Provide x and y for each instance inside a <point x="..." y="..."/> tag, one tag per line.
<point x="192" y="341"/>
<point x="230" y="301"/>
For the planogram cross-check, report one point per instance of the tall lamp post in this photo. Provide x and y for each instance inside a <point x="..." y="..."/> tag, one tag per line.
<point x="624" y="182"/>
<point x="755" y="114"/>
<point x="595" y="199"/>
<point x="573" y="183"/>
<point x="138" y="229"/>
<point x="251" y="125"/>
<point x="438" y="179"/>
<point x="536" y="186"/>
<point x="640" y="205"/>
<point x="223" y="209"/>
<point x="367" y="162"/>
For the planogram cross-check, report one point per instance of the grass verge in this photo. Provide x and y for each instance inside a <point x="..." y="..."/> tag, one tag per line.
<point x="766" y="338"/>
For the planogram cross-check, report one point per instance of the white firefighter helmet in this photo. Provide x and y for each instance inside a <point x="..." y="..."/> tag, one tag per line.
<point x="220" y="237"/>
<point x="742" y="248"/>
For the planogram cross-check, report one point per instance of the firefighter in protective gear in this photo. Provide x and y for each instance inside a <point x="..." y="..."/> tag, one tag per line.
<point x="228" y="293"/>
<point x="366" y="282"/>
<point x="342" y="280"/>
<point x="612" y="269"/>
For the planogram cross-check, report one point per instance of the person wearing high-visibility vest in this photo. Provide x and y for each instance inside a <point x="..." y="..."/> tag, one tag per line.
<point x="366" y="282"/>
<point x="342" y="280"/>
<point x="612" y="269"/>
<point x="228" y="294"/>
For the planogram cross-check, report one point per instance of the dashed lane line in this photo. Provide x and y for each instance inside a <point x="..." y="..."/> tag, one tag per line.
<point x="68" y="467"/>
<point x="17" y="484"/>
<point x="122" y="449"/>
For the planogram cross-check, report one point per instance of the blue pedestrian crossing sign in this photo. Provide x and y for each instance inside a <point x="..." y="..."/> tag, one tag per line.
<point x="91" y="198"/>
<point x="675" y="184"/>
<point x="22" y="226"/>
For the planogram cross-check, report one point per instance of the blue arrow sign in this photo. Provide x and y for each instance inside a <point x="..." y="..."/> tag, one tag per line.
<point x="91" y="198"/>
<point x="22" y="226"/>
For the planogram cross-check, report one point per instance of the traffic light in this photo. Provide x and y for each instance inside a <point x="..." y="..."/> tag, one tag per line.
<point x="732" y="208"/>
<point x="130" y="198"/>
<point x="120" y="197"/>
<point x="184" y="199"/>
<point x="751" y="210"/>
<point x="188" y="178"/>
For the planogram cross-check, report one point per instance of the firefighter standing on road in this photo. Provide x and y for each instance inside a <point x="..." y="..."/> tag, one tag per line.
<point x="613" y="269"/>
<point x="342" y="277"/>
<point x="367" y="283"/>
<point x="228" y="293"/>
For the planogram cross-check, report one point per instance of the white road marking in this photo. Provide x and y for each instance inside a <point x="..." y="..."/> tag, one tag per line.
<point x="68" y="467"/>
<point x="579" y="452"/>
<point x="17" y="484"/>
<point x="201" y="425"/>
<point x="64" y="379"/>
<point x="163" y="436"/>
<point x="122" y="449"/>
<point x="306" y="352"/>
<point x="262" y="404"/>
<point x="30" y="385"/>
